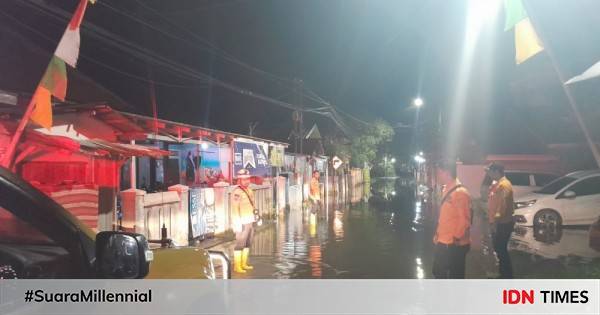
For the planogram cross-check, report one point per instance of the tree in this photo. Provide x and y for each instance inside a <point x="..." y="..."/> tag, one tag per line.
<point x="364" y="147"/>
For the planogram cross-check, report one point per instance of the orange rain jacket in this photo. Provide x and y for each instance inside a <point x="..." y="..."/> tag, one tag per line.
<point x="455" y="217"/>
<point x="501" y="202"/>
<point x="315" y="189"/>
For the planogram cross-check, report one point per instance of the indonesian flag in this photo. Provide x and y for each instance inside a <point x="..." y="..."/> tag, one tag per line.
<point x="54" y="81"/>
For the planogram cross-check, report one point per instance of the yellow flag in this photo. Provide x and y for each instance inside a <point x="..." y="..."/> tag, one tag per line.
<point x="527" y="43"/>
<point x="42" y="111"/>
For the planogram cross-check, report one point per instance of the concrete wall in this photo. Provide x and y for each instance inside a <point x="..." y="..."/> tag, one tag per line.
<point x="471" y="177"/>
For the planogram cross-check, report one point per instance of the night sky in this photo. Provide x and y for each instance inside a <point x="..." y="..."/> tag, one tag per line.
<point x="368" y="58"/>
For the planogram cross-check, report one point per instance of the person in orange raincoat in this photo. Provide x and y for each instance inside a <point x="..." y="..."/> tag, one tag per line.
<point x="500" y="215"/>
<point x="452" y="239"/>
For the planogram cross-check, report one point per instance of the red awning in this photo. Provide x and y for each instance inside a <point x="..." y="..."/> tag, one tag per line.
<point x="120" y="149"/>
<point x="34" y="141"/>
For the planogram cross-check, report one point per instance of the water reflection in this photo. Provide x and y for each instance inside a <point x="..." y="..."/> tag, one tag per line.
<point x="554" y="243"/>
<point x="392" y="238"/>
<point x="338" y="226"/>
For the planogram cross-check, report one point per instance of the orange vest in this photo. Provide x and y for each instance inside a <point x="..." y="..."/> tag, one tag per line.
<point x="315" y="189"/>
<point x="501" y="202"/>
<point x="455" y="217"/>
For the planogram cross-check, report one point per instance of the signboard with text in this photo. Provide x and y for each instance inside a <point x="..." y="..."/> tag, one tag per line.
<point x="251" y="156"/>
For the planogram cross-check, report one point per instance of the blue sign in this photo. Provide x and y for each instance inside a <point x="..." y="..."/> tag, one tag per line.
<point x="252" y="157"/>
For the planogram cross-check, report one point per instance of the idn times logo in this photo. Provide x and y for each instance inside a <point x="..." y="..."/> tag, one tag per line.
<point x="514" y="296"/>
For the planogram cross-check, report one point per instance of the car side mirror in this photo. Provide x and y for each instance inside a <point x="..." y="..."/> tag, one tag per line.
<point x="569" y="194"/>
<point x="121" y="255"/>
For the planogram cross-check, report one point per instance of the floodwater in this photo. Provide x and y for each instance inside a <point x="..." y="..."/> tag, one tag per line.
<point x="388" y="234"/>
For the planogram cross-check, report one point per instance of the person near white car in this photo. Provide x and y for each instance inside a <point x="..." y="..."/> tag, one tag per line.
<point x="500" y="216"/>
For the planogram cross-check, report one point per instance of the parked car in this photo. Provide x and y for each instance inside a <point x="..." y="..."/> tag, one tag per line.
<point x="595" y="235"/>
<point x="523" y="182"/>
<point x="573" y="199"/>
<point x="40" y="239"/>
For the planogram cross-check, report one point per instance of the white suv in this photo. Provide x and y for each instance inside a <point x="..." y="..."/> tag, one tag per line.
<point x="573" y="199"/>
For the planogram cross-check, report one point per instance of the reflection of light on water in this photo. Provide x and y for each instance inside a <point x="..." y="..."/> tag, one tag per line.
<point x="314" y="255"/>
<point x="417" y="213"/>
<point x="420" y="272"/>
<point x="338" y="226"/>
<point x="312" y="225"/>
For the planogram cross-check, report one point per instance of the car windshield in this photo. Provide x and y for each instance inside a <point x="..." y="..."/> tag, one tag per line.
<point x="13" y="230"/>
<point x="556" y="185"/>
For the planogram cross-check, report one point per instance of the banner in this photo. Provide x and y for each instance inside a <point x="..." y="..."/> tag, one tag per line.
<point x="197" y="163"/>
<point x="201" y="212"/>
<point x="251" y="156"/>
<point x="299" y="297"/>
<point x="276" y="156"/>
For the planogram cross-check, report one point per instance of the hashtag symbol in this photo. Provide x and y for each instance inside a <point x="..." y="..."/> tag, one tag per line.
<point x="28" y="295"/>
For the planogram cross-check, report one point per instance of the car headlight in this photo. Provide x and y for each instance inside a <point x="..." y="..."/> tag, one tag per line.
<point x="525" y="204"/>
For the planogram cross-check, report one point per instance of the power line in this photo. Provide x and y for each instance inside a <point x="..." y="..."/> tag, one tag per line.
<point x="172" y="66"/>
<point x="285" y="82"/>
<point x="149" y="56"/>
<point x="109" y="67"/>
<point x="225" y="54"/>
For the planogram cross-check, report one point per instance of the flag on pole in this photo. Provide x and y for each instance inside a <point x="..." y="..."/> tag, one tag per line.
<point x="590" y="73"/>
<point x="54" y="81"/>
<point x="527" y="43"/>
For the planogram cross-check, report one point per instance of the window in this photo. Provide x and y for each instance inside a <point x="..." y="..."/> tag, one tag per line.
<point x="586" y="187"/>
<point x="556" y="185"/>
<point x="543" y="179"/>
<point x="13" y="230"/>
<point x="518" y="179"/>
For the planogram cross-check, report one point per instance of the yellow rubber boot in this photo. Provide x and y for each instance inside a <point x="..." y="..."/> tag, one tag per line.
<point x="245" y="254"/>
<point x="237" y="262"/>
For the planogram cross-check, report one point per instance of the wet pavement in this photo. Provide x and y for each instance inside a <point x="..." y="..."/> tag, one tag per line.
<point x="389" y="237"/>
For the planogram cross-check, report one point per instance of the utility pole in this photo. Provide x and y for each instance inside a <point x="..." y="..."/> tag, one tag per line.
<point x="300" y="90"/>
<point x="252" y="127"/>
<point x="541" y="36"/>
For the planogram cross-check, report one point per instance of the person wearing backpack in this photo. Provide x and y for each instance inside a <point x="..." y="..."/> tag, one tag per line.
<point x="452" y="239"/>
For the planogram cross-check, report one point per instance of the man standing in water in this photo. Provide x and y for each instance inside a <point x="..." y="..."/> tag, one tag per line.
<point x="244" y="214"/>
<point x="452" y="239"/>
<point x="315" y="192"/>
<point x="500" y="215"/>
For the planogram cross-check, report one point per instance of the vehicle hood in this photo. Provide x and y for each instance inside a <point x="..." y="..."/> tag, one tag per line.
<point x="531" y="196"/>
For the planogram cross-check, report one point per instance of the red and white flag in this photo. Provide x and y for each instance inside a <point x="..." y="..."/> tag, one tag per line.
<point x="68" y="47"/>
<point x="54" y="81"/>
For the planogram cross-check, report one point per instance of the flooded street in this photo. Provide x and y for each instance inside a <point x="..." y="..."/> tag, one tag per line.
<point x="389" y="237"/>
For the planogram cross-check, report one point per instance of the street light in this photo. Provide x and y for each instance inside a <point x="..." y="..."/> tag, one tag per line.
<point x="393" y="160"/>
<point x="418" y="102"/>
<point x="419" y="159"/>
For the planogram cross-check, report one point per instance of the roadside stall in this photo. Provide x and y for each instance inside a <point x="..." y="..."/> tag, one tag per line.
<point x="79" y="173"/>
